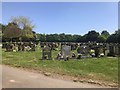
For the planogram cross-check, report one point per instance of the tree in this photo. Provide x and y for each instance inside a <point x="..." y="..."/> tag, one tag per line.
<point x="22" y="22"/>
<point x="76" y="38"/>
<point x="34" y="35"/>
<point x="83" y="38"/>
<point x="92" y="36"/>
<point x="2" y="28"/>
<point x="101" y="39"/>
<point x="49" y="38"/>
<point x="114" y="38"/>
<point x="56" y="37"/>
<point x="105" y="34"/>
<point x="68" y="38"/>
<point x="62" y="37"/>
<point x="119" y="36"/>
<point x="11" y="31"/>
<point x="26" y="25"/>
<point x="41" y="37"/>
<point x="27" y="34"/>
<point x="0" y="32"/>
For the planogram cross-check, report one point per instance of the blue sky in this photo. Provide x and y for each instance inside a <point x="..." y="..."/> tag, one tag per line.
<point x="65" y="17"/>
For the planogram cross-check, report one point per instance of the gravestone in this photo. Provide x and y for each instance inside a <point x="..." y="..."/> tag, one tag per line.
<point x="83" y="50"/>
<point x="15" y="47"/>
<point x="66" y="51"/>
<point x="97" y="51"/>
<point x="9" y="47"/>
<point x="111" y="50"/>
<point x="46" y="53"/>
<point x="116" y="49"/>
<point x="73" y="46"/>
<point x="42" y="45"/>
<point x="21" y="46"/>
<point x="73" y="55"/>
<point x="92" y="52"/>
<point x="32" y="45"/>
<point x="106" y="49"/>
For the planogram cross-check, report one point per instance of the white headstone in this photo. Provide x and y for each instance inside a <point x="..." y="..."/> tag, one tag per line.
<point x="66" y="51"/>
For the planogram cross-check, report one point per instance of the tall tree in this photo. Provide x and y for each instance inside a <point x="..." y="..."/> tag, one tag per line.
<point x="12" y="31"/>
<point x="26" y="25"/>
<point x="101" y="39"/>
<point x="27" y="33"/>
<point x="41" y="37"/>
<point x="62" y="37"/>
<point x="22" y="22"/>
<point x="114" y="38"/>
<point x="105" y="34"/>
<point x="92" y="35"/>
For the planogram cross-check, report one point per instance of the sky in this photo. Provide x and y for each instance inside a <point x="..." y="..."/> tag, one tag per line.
<point x="65" y="17"/>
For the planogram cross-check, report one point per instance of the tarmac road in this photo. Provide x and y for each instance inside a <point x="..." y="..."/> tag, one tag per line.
<point x="19" y="78"/>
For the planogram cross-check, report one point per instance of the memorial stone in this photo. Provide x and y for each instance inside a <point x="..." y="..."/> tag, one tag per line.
<point x="66" y="52"/>
<point x="46" y="53"/>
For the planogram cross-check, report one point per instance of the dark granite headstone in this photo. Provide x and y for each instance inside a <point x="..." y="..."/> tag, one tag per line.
<point x="46" y="53"/>
<point x="83" y="51"/>
<point x="9" y="47"/>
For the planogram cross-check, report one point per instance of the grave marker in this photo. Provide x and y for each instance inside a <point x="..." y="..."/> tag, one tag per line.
<point x="66" y="51"/>
<point x="46" y="53"/>
<point x="83" y="50"/>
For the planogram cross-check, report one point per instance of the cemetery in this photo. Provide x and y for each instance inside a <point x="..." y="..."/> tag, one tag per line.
<point x="60" y="44"/>
<point x="65" y="49"/>
<point x="80" y="62"/>
<point x="91" y="56"/>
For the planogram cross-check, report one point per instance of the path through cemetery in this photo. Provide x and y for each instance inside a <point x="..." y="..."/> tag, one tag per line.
<point x="18" y="78"/>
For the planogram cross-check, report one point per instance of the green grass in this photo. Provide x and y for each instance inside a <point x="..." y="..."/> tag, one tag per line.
<point x="103" y="69"/>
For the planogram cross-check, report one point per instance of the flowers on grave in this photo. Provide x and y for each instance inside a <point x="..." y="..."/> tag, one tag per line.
<point x="46" y="56"/>
<point x="67" y="57"/>
<point x="79" y="56"/>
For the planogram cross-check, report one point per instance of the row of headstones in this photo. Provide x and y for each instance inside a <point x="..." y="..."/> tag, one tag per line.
<point x="114" y="49"/>
<point x="19" y="46"/>
<point x="111" y="49"/>
<point x="54" y="45"/>
<point x="99" y="50"/>
<point x="74" y="45"/>
<point x="65" y="53"/>
<point x="82" y="48"/>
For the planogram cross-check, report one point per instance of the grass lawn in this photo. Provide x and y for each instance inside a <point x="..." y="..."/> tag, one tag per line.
<point x="103" y="69"/>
